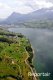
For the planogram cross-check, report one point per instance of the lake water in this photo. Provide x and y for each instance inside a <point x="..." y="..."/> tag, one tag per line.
<point x="42" y="42"/>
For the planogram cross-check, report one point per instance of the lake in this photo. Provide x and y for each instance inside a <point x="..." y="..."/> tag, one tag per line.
<point x="42" y="43"/>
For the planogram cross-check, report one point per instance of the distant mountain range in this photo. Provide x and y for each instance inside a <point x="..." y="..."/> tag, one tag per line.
<point x="40" y="14"/>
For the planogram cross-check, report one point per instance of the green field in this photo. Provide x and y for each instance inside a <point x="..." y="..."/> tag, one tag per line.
<point x="15" y="49"/>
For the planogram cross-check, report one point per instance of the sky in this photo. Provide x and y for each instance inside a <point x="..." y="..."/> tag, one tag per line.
<point x="22" y="6"/>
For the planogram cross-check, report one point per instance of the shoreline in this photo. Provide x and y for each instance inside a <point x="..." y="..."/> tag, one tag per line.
<point x="34" y="71"/>
<point x="30" y="64"/>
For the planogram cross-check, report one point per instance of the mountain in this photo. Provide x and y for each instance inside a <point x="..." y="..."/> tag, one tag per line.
<point x="14" y="17"/>
<point x="40" y="14"/>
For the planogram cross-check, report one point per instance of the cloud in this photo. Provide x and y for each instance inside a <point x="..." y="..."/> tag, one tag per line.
<point x="37" y="4"/>
<point x="44" y="4"/>
<point x="22" y="10"/>
<point x="5" y="10"/>
<point x="22" y="6"/>
<point x="25" y="6"/>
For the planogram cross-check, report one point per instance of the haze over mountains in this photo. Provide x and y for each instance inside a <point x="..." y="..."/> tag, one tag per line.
<point x="41" y="14"/>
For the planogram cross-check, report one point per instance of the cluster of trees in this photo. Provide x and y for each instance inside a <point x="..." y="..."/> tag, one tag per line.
<point x="30" y="51"/>
<point x="3" y="39"/>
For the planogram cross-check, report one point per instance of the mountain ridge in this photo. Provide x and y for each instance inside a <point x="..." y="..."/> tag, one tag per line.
<point x="40" y="14"/>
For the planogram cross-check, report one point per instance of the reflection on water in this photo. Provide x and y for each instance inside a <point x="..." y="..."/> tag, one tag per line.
<point x="42" y="42"/>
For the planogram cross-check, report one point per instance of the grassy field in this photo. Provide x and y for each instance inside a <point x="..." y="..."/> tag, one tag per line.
<point x="13" y="53"/>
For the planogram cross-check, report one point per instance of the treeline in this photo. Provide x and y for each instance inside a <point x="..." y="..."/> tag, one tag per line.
<point x="3" y="39"/>
<point x="7" y="34"/>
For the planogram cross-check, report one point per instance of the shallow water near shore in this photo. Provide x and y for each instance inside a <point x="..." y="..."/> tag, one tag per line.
<point x="42" y="43"/>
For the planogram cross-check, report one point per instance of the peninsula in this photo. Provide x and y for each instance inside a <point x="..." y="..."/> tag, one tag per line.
<point x="15" y="56"/>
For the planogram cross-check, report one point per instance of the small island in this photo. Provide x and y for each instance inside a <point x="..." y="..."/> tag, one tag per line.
<point x="15" y="56"/>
